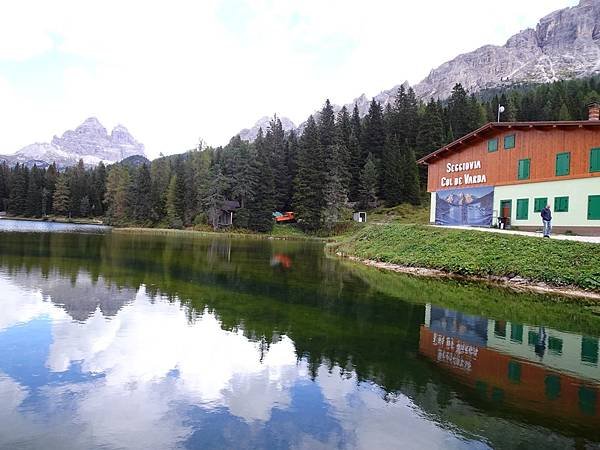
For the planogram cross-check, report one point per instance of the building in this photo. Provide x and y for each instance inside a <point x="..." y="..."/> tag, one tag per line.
<point x="228" y="207"/>
<point x="553" y="374"/>
<point x="507" y="172"/>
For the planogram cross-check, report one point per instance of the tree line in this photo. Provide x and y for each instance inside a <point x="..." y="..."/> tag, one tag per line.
<point x="339" y="162"/>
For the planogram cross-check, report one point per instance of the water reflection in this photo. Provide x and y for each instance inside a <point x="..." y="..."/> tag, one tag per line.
<point x="146" y="342"/>
<point x="148" y="377"/>
<point x="551" y="373"/>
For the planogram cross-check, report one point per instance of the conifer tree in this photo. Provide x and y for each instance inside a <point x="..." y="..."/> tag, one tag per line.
<point x="61" y="201"/>
<point x="308" y="193"/>
<point x="368" y="184"/>
<point x="141" y="196"/>
<point x="262" y="206"/>
<point x="19" y="180"/>
<point x="410" y="178"/>
<point x="392" y="172"/>
<point x="373" y="136"/>
<point x="117" y="194"/>
<point x="34" y="193"/>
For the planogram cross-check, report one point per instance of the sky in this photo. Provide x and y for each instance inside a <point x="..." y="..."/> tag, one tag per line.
<point x="174" y="72"/>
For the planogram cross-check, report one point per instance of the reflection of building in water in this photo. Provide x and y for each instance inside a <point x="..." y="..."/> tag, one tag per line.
<point x="219" y="249"/>
<point x="540" y="369"/>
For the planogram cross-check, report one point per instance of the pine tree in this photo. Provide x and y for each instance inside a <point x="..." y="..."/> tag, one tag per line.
<point x="392" y="172"/>
<point x="368" y="184"/>
<point x="275" y="149"/>
<point x="50" y="178"/>
<point x="262" y="206"/>
<point x="141" y="196"/>
<point x="215" y="195"/>
<point x="459" y="111"/>
<point x="117" y="194"/>
<point x="34" y="193"/>
<point x="308" y="184"/>
<point x="335" y="195"/>
<point x="411" y="191"/>
<point x="373" y="136"/>
<point x="61" y="201"/>
<point x="19" y="180"/>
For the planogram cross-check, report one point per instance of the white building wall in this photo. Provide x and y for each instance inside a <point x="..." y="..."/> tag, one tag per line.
<point x="577" y="190"/>
<point x="432" y="207"/>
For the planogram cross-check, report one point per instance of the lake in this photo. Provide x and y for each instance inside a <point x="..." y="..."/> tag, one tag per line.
<point x="123" y="341"/>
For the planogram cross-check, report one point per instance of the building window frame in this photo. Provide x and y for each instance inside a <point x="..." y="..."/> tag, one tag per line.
<point x="522" y="209"/>
<point x="595" y="160"/>
<point x="524" y="169"/>
<point x="539" y="203"/>
<point x="561" y="204"/>
<point x="593" y="207"/>
<point x="492" y="145"/>
<point x="563" y="168"/>
<point x="509" y="141"/>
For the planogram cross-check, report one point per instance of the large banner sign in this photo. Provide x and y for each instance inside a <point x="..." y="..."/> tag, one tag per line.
<point x="465" y="206"/>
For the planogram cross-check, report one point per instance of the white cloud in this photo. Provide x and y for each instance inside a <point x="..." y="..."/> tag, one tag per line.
<point x="176" y="71"/>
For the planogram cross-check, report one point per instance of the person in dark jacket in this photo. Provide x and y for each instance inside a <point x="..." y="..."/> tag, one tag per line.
<point x="547" y="221"/>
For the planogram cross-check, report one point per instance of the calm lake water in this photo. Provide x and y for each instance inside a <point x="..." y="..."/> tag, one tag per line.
<point x="116" y="341"/>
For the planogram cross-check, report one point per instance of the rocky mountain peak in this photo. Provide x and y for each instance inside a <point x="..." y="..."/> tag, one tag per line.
<point x="249" y="134"/>
<point x="89" y="142"/>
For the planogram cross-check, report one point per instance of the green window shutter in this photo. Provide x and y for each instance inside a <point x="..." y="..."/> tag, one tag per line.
<point x="589" y="350"/>
<point x="522" y="209"/>
<point x="561" y="204"/>
<point x="509" y="141"/>
<point x="587" y="400"/>
<point x="552" y="383"/>
<point x="594" y="207"/>
<point x="555" y="345"/>
<point x="563" y="162"/>
<point x="595" y="160"/>
<point x="516" y="332"/>
<point x="493" y="145"/>
<point x="514" y="371"/>
<point x="539" y="204"/>
<point x="524" y="165"/>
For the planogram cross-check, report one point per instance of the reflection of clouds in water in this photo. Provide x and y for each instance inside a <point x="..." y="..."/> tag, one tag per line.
<point x="374" y="422"/>
<point x="155" y="365"/>
<point x="20" y="306"/>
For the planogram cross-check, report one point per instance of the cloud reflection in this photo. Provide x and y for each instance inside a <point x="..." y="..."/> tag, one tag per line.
<point x="158" y="376"/>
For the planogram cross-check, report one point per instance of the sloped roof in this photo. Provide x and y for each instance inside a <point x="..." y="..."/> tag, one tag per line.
<point x="230" y="205"/>
<point x="489" y="129"/>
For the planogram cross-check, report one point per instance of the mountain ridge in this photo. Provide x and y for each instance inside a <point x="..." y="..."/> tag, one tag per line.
<point x="89" y="142"/>
<point x="565" y="44"/>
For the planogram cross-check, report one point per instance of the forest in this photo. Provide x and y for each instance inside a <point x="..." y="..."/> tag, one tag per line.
<point x="340" y="163"/>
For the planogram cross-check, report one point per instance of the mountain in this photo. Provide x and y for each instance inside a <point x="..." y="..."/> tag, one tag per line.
<point x="89" y="141"/>
<point x="564" y="45"/>
<point x="249" y="134"/>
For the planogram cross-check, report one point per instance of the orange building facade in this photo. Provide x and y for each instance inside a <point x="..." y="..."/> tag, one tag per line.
<point x="505" y="173"/>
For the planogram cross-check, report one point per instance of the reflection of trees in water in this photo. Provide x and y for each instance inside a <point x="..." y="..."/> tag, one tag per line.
<point x="336" y="317"/>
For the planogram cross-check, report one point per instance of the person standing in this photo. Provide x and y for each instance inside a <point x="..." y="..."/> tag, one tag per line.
<point x="547" y="221"/>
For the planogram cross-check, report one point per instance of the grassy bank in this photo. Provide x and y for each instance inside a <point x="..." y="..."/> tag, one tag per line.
<point x="476" y="253"/>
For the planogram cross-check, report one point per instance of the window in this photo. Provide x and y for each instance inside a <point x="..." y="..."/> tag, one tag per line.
<point x="539" y="204"/>
<point x="589" y="350"/>
<point x="595" y="160"/>
<point x="514" y="372"/>
<point x="516" y="332"/>
<point x="563" y="162"/>
<point x="500" y="328"/>
<point x="523" y="173"/>
<point x="533" y="338"/>
<point x="522" y="209"/>
<point x="587" y="401"/>
<point x="509" y="141"/>
<point x="594" y="207"/>
<point x="493" y="145"/>
<point x="561" y="204"/>
<point x="555" y="345"/>
<point x="552" y="383"/>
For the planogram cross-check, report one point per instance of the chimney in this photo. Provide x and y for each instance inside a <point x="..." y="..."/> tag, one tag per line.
<point x="594" y="111"/>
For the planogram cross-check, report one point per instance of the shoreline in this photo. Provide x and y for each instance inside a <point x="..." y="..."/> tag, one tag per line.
<point x="517" y="284"/>
<point x="56" y="220"/>
<point x="200" y="233"/>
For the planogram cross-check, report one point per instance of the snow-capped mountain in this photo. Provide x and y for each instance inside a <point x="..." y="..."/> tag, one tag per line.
<point x="89" y="142"/>
<point x="564" y="45"/>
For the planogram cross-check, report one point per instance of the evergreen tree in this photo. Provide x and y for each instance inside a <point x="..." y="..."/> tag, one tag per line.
<point x="308" y="193"/>
<point x="459" y="111"/>
<point x="61" y="201"/>
<point x="17" y="201"/>
<point x="215" y="195"/>
<point x="335" y="194"/>
<point x="392" y="172"/>
<point x="262" y="206"/>
<point x="373" y="136"/>
<point x="34" y="193"/>
<point x="368" y="184"/>
<point x="141" y="196"/>
<point x="117" y="194"/>
<point x="411" y="191"/>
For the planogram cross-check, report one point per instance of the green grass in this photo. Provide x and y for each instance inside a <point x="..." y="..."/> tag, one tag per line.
<point x="471" y="252"/>
<point x="403" y="213"/>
